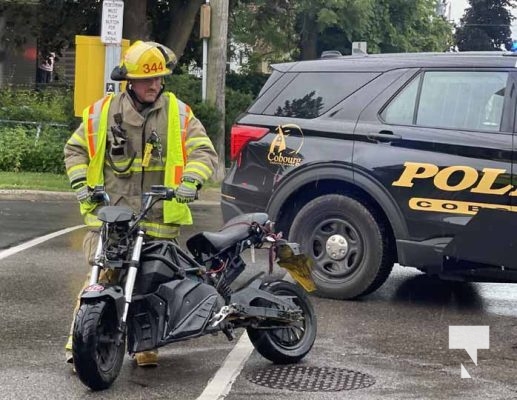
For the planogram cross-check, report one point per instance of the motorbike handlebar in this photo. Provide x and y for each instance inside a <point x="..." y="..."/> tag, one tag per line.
<point x="99" y="195"/>
<point x="162" y="191"/>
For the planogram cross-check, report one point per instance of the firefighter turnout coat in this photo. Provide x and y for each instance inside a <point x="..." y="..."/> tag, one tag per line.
<point x="127" y="152"/>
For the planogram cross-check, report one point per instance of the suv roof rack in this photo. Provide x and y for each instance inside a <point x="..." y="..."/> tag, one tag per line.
<point x="330" y="54"/>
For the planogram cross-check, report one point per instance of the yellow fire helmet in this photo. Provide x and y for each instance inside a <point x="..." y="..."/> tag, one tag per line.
<point x="145" y="60"/>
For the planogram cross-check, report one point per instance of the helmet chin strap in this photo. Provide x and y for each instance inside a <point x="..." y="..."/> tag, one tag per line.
<point x="141" y="105"/>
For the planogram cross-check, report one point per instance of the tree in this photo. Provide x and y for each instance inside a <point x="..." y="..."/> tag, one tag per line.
<point x="403" y="26"/>
<point x="56" y="22"/>
<point x="305" y="28"/>
<point x="266" y="26"/>
<point x="485" y="26"/>
<point x="52" y="22"/>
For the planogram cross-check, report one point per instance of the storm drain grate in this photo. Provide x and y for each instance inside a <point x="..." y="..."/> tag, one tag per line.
<point x="310" y="379"/>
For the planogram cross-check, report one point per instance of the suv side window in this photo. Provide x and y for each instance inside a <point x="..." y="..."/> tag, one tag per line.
<point x="310" y="94"/>
<point x="470" y="100"/>
<point x="401" y="111"/>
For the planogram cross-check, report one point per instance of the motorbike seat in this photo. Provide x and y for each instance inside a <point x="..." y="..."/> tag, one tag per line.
<point x="112" y="214"/>
<point x="237" y="228"/>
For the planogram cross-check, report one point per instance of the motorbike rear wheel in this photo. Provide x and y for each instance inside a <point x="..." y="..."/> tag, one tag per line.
<point x="97" y="357"/>
<point x="290" y="343"/>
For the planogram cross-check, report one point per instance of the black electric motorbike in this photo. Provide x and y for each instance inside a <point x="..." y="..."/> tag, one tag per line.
<point x="164" y="294"/>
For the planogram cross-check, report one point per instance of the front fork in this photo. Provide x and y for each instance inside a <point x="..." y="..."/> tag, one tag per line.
<point x="97" y="263"/>
<point x="131" y="276"/>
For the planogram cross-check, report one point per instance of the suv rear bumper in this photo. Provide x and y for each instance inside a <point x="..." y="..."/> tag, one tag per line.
<point x="427" y="254"/>
<point x="229" y="210"/>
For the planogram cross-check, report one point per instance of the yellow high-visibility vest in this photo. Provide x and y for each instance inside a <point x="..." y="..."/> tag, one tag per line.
<point x="95" y="122"/>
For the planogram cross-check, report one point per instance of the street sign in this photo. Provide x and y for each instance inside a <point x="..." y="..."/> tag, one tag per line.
<point x="359" y="48"/>
<point x="112" y="19"/>
<point x="110" y="87"/>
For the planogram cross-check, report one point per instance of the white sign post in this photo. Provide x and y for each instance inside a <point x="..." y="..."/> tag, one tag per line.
<point x="111" y="36"/>
<point x="359" y="48"/>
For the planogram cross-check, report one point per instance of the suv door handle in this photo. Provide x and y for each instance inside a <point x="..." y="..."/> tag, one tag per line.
<point x="383" y="136"/>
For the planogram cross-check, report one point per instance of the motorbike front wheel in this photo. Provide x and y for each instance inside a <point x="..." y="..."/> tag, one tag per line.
<point x="97" y="355"/>
<point x="285" y="344"/>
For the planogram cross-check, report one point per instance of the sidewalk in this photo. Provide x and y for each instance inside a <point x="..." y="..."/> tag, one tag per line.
<point x="206" y="196"/>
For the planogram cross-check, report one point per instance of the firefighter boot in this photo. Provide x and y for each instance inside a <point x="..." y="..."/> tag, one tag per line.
<point x="147" y="358"/>
<point x="68" y="351"/>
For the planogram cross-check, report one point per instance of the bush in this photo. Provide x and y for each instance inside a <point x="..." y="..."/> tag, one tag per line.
<point x="14" y="146"/>
<point x="32" y="152"/>
<point x="247" y="83"/>
<point x="46" y="152"/>
<point x="52" y="105"/>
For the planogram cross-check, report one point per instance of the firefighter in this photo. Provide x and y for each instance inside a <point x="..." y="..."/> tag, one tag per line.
<point x="130" y="141"/>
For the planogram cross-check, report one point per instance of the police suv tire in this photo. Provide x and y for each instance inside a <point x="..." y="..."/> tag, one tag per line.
<point x="348" y="244"/>
<point x="96" y="361"/>
<point x="285" y="345"/>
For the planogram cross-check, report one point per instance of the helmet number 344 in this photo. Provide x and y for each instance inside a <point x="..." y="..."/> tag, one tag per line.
<point x="154" y="67"/>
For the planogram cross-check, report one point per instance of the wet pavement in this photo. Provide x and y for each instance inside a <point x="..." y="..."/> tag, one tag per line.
<point x="398" y="336"/>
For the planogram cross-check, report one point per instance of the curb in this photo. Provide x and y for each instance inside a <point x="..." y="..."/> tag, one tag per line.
<point x="35" y="195"/>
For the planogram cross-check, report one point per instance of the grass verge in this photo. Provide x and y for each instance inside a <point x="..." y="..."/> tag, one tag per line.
<point x="34" y="181"/>
<point x="45" y="181"/>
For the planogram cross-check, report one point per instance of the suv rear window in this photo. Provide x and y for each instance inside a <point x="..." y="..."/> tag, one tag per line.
<point x="309" y="94"/>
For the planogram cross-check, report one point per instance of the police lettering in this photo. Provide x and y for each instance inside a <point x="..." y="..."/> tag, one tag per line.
<point x="453" y="206"/>
<point x="466" y="178"/>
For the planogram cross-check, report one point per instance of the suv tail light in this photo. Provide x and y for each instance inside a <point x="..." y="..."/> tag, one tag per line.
<point x="242" y="134"/>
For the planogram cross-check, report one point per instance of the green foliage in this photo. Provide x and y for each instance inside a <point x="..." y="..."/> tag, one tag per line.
<point x="265" y="25"/>
<point x="485" y="26"/>
<point x="186" y="87"/>
<point x="45" y="121"/>
<point x="55" y="23"/>
<point x="246" y="83"/>
<point x="14" y="146"/>
<point x="45" y="154"/>
<point x="306" y="28"/>
<point x="402" y="26"/>
<point x="21" y="149"/>
<point x="51" y="105"/>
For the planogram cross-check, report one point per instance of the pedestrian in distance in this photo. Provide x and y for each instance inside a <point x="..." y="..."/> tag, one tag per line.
<point x="130" y="141"/>
<point x="45" y="70"/>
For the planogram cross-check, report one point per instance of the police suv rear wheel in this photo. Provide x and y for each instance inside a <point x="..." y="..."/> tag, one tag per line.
<point x="347" y="244"/>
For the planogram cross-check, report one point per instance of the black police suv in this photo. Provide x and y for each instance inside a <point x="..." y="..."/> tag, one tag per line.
<point x="376" y="159"/>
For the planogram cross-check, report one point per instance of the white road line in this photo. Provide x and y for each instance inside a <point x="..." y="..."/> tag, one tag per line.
<point x="221" y="383"/>
<point x="24" y="246"/>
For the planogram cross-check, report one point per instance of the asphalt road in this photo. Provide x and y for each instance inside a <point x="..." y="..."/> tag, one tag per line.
<point x="393" y="344"/>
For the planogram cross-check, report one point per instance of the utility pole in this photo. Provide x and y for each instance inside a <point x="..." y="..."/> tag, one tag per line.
<point x="216" y="73"/>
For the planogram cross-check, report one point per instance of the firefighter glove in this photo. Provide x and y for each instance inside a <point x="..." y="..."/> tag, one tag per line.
<point x="187" y="191"/>
<point x="83" y="193"/>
